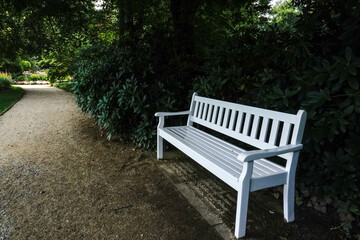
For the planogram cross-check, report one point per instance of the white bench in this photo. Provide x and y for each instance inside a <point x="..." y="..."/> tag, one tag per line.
<point x="274" y="133"/>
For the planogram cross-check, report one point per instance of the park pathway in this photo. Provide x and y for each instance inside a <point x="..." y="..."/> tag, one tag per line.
<point x="59" y="179"/>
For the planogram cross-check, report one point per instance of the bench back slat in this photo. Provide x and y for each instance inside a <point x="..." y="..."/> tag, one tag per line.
<point x="258" y="127"/>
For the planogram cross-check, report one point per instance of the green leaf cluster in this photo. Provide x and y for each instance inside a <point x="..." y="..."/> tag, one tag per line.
<point x="122" y="88"/>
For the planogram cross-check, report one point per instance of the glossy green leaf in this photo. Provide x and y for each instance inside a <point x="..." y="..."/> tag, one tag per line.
<point x="353" y="83"/>
<point x="348" y="54"/>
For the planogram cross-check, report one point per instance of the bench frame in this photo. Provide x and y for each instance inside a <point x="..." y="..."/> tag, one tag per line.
<point x="252" y="126"/>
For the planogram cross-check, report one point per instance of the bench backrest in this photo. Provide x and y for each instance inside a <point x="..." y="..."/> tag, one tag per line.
<point x="258" y="127"/>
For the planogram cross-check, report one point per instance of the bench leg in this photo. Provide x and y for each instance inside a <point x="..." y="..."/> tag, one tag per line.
<point x="160" y="147"/>
<point x="241" y="210"/>
<point x="289" y="201"/>
<point x="289" y="189"/>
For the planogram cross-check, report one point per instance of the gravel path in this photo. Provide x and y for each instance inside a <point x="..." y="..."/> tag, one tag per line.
<point x="59" y="179"/>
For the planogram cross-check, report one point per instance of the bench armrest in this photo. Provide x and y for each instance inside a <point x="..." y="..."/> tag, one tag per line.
<point x="165" y="114"/>
<point x="258" y="154"/>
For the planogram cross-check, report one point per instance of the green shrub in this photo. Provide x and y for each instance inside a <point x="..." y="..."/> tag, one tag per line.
<point x="57" y="73"/>
<point x="31" y="77"/>
<point x="5" y="81"/>
<point x="64" y="85"/>
<point x="37" y="77"/>
<point x="22" y="77"/>
<point x="123" y="88"/>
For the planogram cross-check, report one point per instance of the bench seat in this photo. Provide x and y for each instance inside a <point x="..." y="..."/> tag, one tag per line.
<point x="220" y="158"/>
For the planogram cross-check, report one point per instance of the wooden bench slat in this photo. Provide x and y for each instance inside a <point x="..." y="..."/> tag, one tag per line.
<point x="220" y="116"/>
<point x="245" y="130"/>
<point x="206" y="154"/>
<point x="285" y="134"/>
<point x="239" y="121"/>
<point x="226" y="118"/>
<point x="274" y="132"/>
<point x="208" y="118"/>
<point x="214" y="118"/>
<point x="221" y="149"/>
<point x="264" y="129"/>
<point x="196" y="108"/>
<point x="263" y="164"/>
<point x="223" y="156"/>
<point x="232" y="120"/>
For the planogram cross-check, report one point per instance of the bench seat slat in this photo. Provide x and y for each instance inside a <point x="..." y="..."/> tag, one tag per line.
<point x="222" y="152"/>
<point x="261" y="168"/>
<point x="236" y="150"/>
<point x="223" y="156"/>
<point x="208" y="162"/>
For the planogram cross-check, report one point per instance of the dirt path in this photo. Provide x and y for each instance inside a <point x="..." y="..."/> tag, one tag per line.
<point x="60" y="180"/>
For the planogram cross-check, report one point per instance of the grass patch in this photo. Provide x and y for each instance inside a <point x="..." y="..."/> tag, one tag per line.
<point x="9" y="96"/>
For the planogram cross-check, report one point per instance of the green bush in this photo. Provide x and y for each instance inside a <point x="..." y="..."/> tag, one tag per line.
<point x="58" y="72"/>
<point x="22" y="77"/>
<point x="37" y="77"/>
<point x="30" y="77"/>
<point x="122" y="88"/>
<point x="64" y="85"/>
<point x="5" y="81"/>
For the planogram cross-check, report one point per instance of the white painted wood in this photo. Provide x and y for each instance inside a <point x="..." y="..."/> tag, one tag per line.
<point x="201" y="109"/>
<point x="160" y="147"/>
<point x="274" y="132"/>
<point x="242" y="200"/>
<point x="192" y="109"/>
<point x="238" y="136"/>
<point x="201" y="158"/>
<point x="167" y="114"/>
<point x="245" y="171"/>
<point x="222" y="151"/>
<point x="226" y="118"/>
<point x="208" y="117"/>
<point x="255" y="126"/>
<point x="266" y="153"/>
<point x="214" y="118"/>
<point x="289" y="189"/>
<point x="285" y="134"/>
<point x="264" y="129"/>
<point x="232" y="120"/>
<point x="221" y="113"/>
<point x="253" y="110"/>
<point x="196" y="108"/>
<point x="239" y="121"/>
<point x="245" y="130"/>
<point x="262" y="167"/>
<point x="160" y="140"/>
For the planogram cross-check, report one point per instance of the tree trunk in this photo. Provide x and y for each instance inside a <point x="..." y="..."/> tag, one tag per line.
<point x="183" y="15"/>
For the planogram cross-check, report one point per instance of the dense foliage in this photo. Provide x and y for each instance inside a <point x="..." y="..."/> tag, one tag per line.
<point x="5" y="81"/>
<point x="122" y="88"/>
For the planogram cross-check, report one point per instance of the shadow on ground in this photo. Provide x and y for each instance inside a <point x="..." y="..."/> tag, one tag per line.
<point x="217" y="203"/>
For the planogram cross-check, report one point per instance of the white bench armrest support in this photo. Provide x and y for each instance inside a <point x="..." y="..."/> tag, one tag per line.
<point x="258" y="154"/>
<point x="165" y="114"/>
<point x="162" y="116"/>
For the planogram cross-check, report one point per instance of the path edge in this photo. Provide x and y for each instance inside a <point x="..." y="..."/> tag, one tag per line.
<point x="7" y="109"/>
